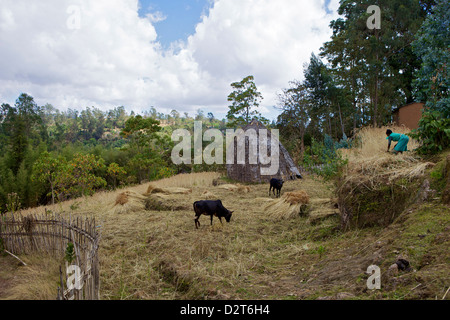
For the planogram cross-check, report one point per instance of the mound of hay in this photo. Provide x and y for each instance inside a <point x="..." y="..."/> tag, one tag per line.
<point x="207" y="195"/>
<point x="376" y="186"/>
<point x="129" y="201"/>
<point x="296" y="197"/>
<point x="169" y="190"/>
<point x="288" y="206"/>
<point x="164" y="202"/>
<point x="232" y="187"/>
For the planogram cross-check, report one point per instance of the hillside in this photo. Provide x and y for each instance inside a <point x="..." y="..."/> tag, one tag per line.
<point x="152" y="254"/>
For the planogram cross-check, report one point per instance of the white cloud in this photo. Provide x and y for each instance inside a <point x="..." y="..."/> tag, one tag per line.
<point x="113" y="58"/>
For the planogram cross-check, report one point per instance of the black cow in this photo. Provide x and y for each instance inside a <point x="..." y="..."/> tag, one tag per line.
<point x="276" y="184"/>
<point x="211" y="208"/>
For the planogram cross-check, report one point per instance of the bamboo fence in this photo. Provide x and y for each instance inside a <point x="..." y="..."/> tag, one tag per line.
<point x="51" y="234"/>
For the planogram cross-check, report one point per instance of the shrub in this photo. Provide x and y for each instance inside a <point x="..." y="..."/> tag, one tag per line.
<point x="433" y="133"/>
<point x="322" y="158"/>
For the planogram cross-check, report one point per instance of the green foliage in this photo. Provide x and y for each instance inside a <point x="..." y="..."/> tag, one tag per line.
<point x="375" y="67"/>
<point x="70" y="253"/>
<point x="13" y="202"/>
<point x="433" y="133"/>
<point x="79" y="177"/>
<point x="245" y="100"/>
<point x="432" y="83"/>
<point x="116" y="173"/>
<point x="47" y="155"/>
<point x="46" y="170"/>
<point x="322" y="158"/>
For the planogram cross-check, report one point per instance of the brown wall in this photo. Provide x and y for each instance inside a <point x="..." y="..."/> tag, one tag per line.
<point x="409" y="115"/>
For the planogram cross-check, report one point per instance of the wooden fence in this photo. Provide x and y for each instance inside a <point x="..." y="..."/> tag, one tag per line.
<point x="51" y="233"/>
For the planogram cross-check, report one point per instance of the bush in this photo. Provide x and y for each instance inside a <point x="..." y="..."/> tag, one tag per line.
<point x="322" y="158"/>
<point x="433" y="133"/>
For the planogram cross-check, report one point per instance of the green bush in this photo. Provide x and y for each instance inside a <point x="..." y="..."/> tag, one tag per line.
<point x="433" y="133"/>
<point x="322" y="159"/>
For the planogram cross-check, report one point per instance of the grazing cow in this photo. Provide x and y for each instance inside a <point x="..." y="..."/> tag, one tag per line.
<point x="276" y="184"/>
<point x="211" y="208"/>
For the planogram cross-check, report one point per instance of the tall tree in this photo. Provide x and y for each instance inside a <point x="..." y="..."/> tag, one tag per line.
<point x="20" y="124"/>
<point x="376" y="64"/>
<point x="245" y="100"/>
<point x="293" y="120"/>
<point x="432" y="83"/>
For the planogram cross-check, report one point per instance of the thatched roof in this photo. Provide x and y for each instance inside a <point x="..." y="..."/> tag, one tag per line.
<point x="252" y="172"/>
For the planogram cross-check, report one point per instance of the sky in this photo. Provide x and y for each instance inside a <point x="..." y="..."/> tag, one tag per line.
<point x="167" y="54"/>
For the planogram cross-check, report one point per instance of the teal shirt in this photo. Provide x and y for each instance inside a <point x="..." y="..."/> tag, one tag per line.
<point x="394" y="137"/>
<point x="402" y="139"/>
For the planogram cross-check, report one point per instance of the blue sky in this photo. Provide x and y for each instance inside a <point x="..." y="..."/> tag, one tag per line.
<point x="180" y="17"/>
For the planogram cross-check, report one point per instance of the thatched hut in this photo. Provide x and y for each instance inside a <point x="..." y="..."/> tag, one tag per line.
<point x="251" y="170"/>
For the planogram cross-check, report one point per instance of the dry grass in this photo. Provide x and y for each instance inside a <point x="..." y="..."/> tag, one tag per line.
<point x="149" y="253"/>
<point x="370" y="161"/>
<point x="169" y="190"/>
<point x="128" y="202"/>
<point x="208" y="195"/>
<point x="289" y="205"/>
<point x="153" y="254"/>
<point x="190" y="180"/>
<point x="235" y="188"/>
<point x="38" y="280"/>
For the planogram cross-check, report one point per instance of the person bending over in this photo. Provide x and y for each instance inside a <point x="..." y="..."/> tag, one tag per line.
<point x="401" y="139"/>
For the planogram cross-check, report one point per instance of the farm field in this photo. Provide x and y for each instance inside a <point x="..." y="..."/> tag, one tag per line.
<point x="151" y="254"/>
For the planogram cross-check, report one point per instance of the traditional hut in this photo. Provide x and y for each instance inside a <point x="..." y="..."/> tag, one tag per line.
<point x="409" y="115"/>
<point x="256" y="149"/>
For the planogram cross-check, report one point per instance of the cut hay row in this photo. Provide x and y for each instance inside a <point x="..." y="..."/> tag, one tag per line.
<point x="235" y="187"/>
<point x="168" y="190"/>
<point x="288" y="206"/>
<point x="208" y="195"/>
<point x="128" y="201"/>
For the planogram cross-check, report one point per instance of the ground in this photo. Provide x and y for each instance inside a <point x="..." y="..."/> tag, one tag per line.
<point x="148" y="254"/>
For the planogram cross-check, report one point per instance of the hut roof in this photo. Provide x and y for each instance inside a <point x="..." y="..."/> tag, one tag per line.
<point x="252" y="172"/>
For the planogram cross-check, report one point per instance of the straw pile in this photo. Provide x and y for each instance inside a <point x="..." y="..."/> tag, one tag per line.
<point x="288" y="206"/>
<point x="165" y="202"/>
<point x="371" y="165"/>
<point x="167" y="190"/>
<point x="128" y="201"/>
<point x="375" y="186"/>
<point x="208" y="195"/>
<point x="232" y="187"/>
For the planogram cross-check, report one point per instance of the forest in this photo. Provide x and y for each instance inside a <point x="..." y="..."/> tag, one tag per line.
<point x="357" y="79"/>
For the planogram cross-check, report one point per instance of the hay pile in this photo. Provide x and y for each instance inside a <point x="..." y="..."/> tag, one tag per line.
<point x="288" y="206"/>
<point x="208" y="195"/>
<point x="128" y="201"/>
<point x="165" y="202"/>
<point x="235" y="187"/>
<point x="375" y="186"/>
<point x="168" y="190"/>
<point x="370" y="164"/>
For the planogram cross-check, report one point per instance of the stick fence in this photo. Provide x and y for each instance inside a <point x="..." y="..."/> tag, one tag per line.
<point x="51" y="233"/>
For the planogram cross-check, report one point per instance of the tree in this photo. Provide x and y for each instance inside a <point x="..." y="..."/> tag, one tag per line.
<point x="116" y="172"/>
<point x="245" y="99"/>
<point x="79" y="177"/>
<point x="294" y="118"/>
<point x="140" y="130"/>
<point x="46" y="170"/>
<point x="432" y="83"/>
<point x="375" y="65"/>
<point x="19" y="125"/>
